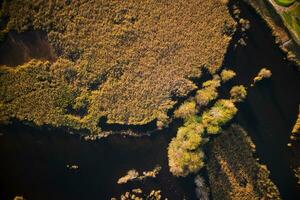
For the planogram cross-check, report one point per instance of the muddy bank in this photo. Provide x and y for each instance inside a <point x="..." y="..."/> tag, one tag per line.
<point x="19" y="48"/>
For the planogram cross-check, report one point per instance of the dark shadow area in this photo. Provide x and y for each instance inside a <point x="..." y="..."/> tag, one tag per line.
<point x="271" y="108"/>
<point x="19" y="48"/>
<point x="36" y="159"/>
<point x="81" y="112"/>
<point x="149" y="127"/>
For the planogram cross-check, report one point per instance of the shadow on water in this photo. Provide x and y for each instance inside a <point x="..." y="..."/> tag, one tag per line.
<point x="34" y="160"/>
<point x="271" y="108"/>
<point x="35" y="165"/>
<point x="18" y="48"/>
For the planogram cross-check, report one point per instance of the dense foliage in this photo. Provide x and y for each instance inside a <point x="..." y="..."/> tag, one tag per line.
<point x="185" y="150"/>
<point x="238" y="93"/>
<point x="221" y="113"/>
<point x="208" y="91"/>
<point x="264" y="73"/>
<point x="227" y="74"/>
<point x="185" y="155"/>
<point x="186" y="110"/>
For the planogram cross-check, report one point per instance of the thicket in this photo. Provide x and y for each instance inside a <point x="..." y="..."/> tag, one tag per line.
<point x="185" y="152"/>
<point x="208" y="91"/>
<point x="238" y="93"/>
<point x="264" y="73"/>
<point x="227" y="74"/>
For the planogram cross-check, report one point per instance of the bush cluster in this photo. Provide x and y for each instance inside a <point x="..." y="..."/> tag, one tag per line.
<point x="185" y="152"/>
<point x="208" y="91"/>
<point x="227" y="74"/>
<point x="264" y="73"/>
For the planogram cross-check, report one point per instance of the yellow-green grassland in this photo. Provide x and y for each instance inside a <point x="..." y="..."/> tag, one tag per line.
<point x="123" y="60"/>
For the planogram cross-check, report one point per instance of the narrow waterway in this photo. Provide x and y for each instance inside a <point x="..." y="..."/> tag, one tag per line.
<point x="271" y="108"/>
<point x="34" y="160"/>
<point x="35" y="165"/>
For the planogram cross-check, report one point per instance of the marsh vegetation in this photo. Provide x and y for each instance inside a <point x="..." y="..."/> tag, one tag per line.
<point x="125" y="61"/>
<point x="135" y="81"/>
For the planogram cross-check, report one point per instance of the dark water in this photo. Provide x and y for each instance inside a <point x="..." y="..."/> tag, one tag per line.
<point x="34" y="165"/>
<point x="19" y="48"/>
<point x="33" y="161"/>
<point x="271" y="109"/>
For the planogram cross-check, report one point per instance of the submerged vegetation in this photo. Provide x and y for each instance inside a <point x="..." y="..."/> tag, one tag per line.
<point x="202" y="191"/>
<point x="133" y="175"/>
<point x="137" y="194"/>
<point x="121" y="60"/>
<point x="297" y="174"/>
<point x="234" y="173"/>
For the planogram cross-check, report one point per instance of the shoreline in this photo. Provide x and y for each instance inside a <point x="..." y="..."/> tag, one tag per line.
<point x="283" y="36"/>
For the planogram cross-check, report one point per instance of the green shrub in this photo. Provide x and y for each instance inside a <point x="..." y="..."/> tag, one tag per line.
<point x="227" y="74"/>
<point x="263" y="74"/>
<point x="184" y="151"/>
<point x="238" y="93"/>
<point x="183" y="161"/>
<point x="222" y="112"/>
<point x="187" y="109"/>
<point x="208" y="92"/>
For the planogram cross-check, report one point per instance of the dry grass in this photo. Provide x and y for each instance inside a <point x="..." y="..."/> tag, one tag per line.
<point x="119" y="59"/>
<point x="296" y="128"/>
<point x="233" y="171"/>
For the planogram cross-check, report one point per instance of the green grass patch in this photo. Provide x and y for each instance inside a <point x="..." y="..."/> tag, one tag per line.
<point x="285" y="2"/>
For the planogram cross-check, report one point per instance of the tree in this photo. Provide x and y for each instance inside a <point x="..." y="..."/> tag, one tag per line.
<point x="184" y="153"/>
<point x="227" y="74"/>
<point x="208" y="92"/>
<point x="183" y="161"/>
<point x="262" y="74"/>
<point x="238" y="93"/>
<point x="186" y="110"/>
<point x="222" y="112"/>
